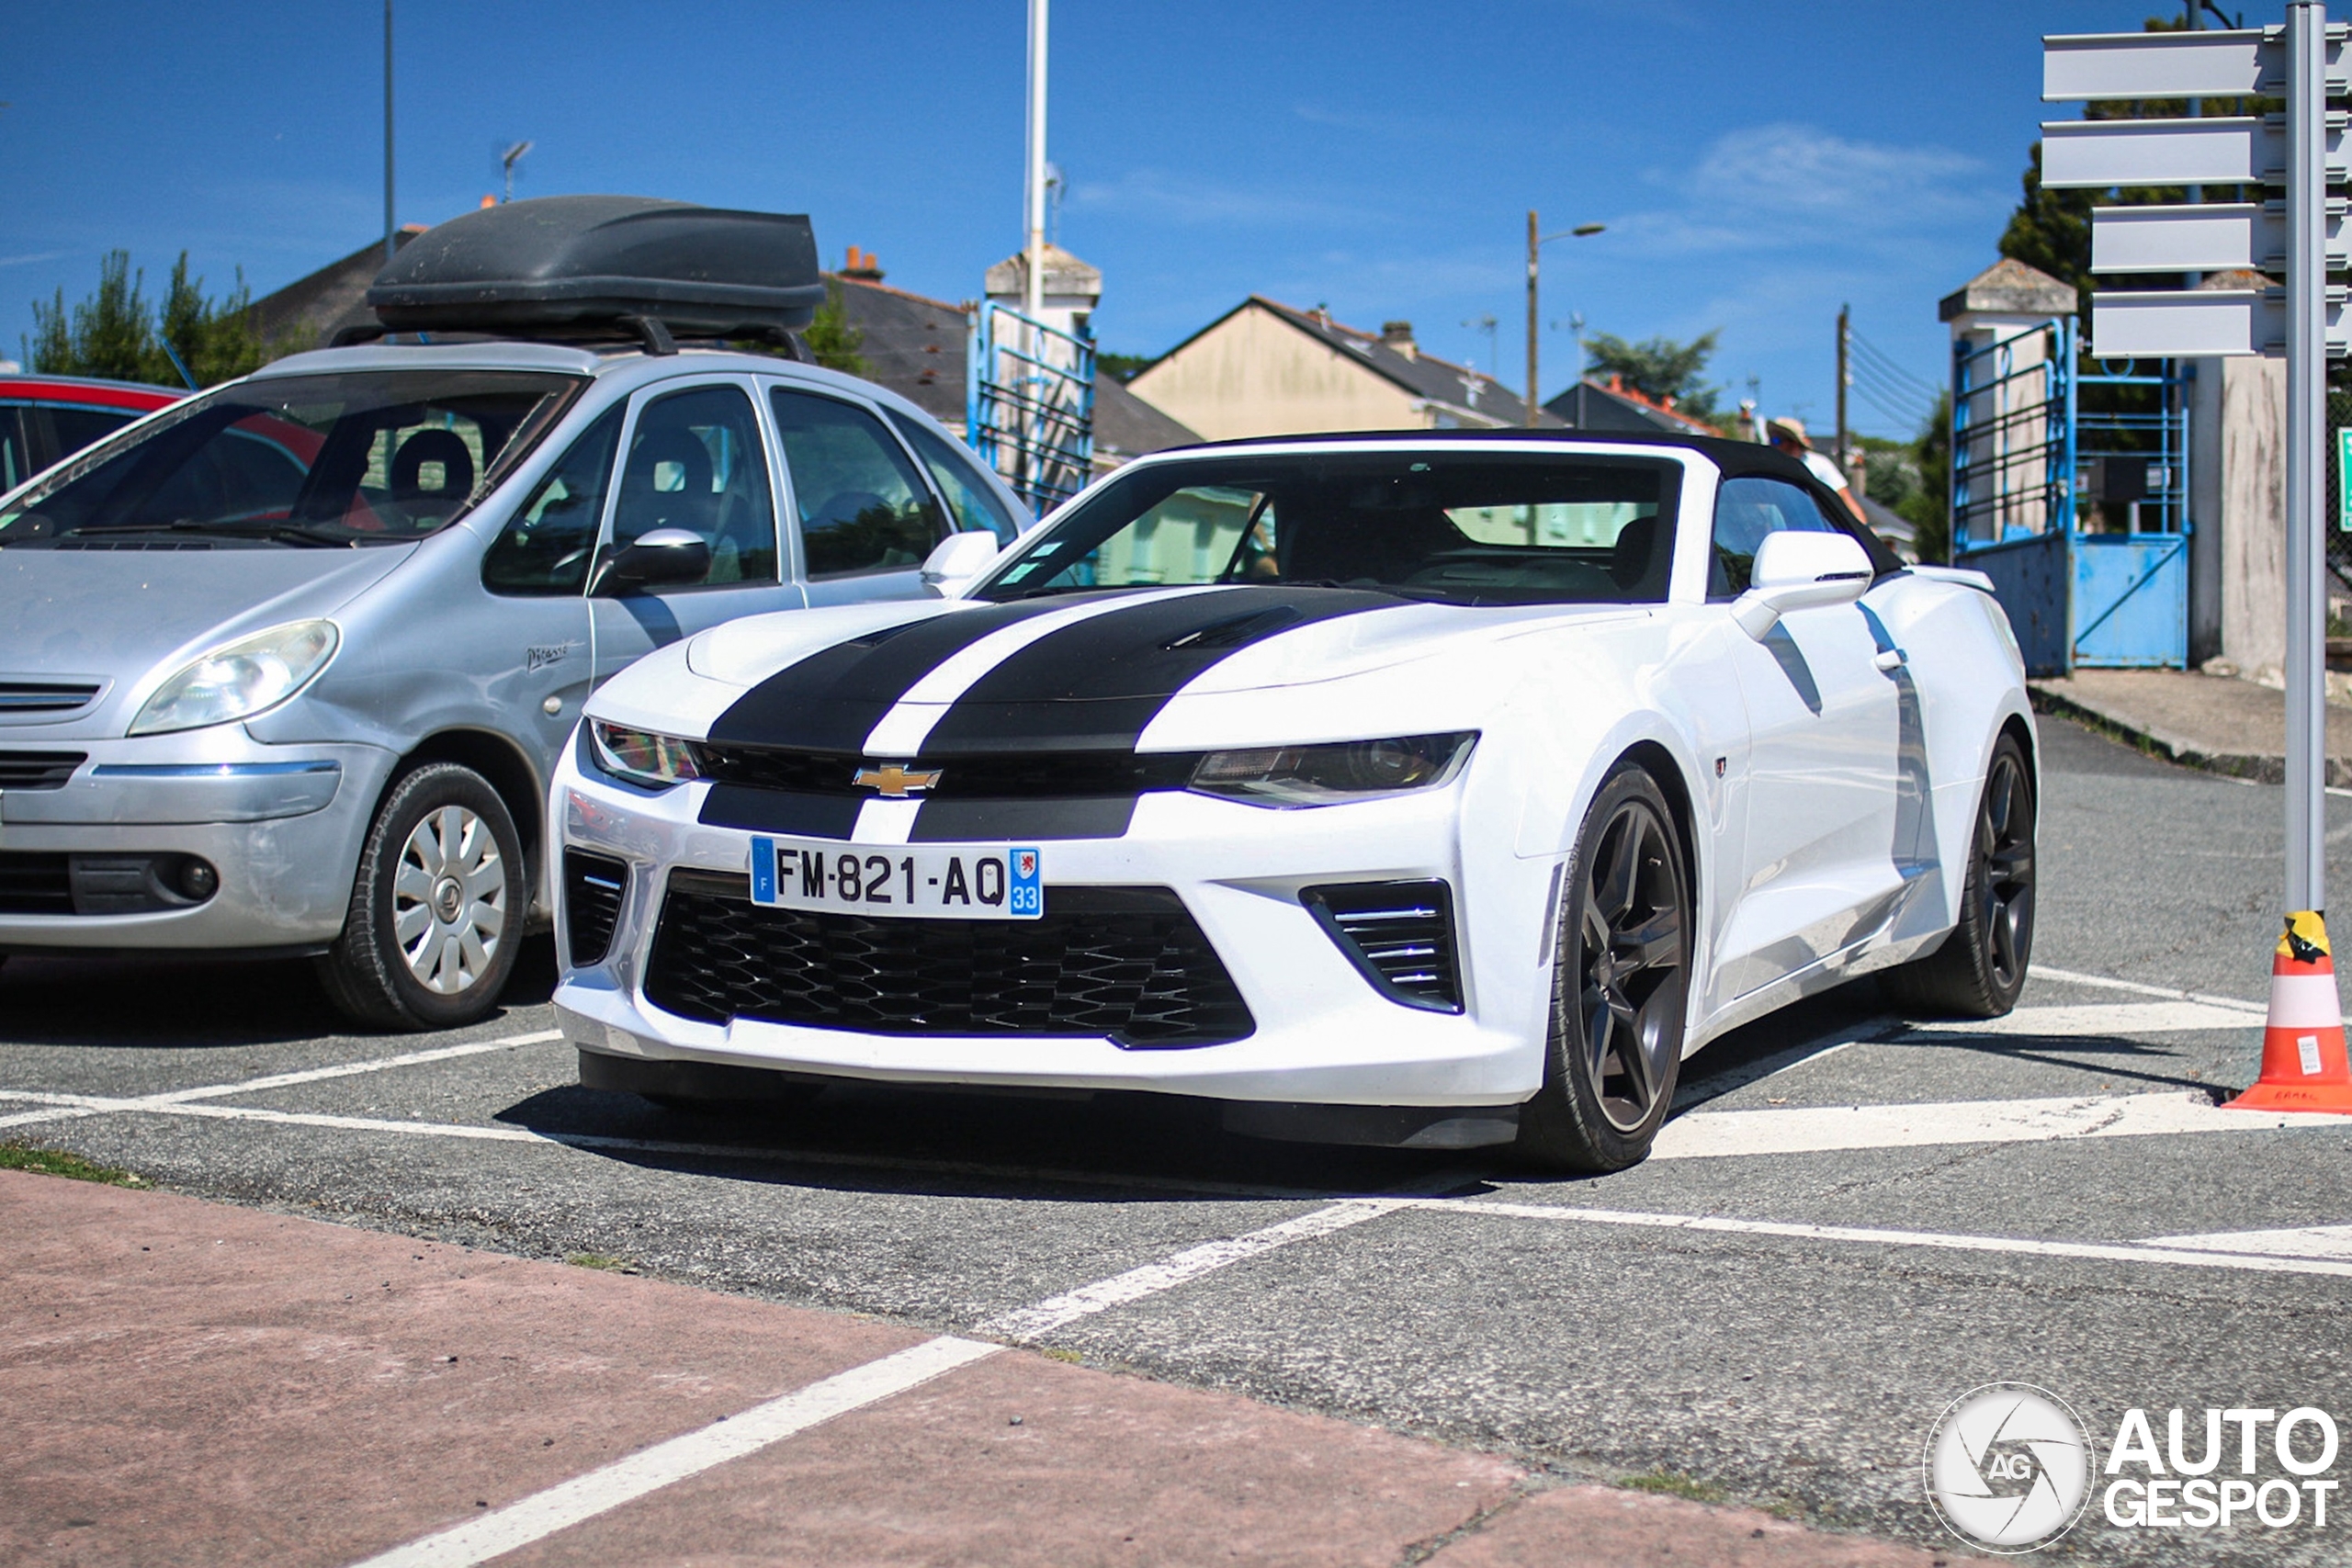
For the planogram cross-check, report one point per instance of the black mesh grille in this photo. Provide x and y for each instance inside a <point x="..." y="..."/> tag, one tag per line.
<point x="1128" y="963"/>
<point x="592" y="885"/>
<point x="1058" y="775"/>
<point x="1401" y="934"/>
<point x="33" y="883"/>
<point x="39" y="770"/>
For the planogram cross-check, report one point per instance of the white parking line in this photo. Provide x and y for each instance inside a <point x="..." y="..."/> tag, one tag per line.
<point x="1720" y="1134"/>
<point x="2108" y="1252"/>
<point x="600" y="1491"/>
<point x="2108" y="983"/>
<point x="65" y="1107"/>
<point x="2095" y="1018"/>
<point x="560" y="1507"/>
<point x="2307" y="1241"/>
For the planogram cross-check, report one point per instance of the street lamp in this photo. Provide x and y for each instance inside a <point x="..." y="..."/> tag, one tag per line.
<point x="1536" y="241"/>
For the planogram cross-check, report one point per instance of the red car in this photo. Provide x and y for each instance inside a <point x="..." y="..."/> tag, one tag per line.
<point x="44" y="419"/>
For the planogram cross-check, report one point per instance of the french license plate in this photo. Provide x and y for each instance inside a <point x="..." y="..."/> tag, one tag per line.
<point x="994" y="882"/>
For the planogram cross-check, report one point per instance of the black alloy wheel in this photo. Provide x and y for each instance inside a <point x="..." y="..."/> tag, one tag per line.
<point x="1981" y="967"/>
<point x="1619" y="986"/>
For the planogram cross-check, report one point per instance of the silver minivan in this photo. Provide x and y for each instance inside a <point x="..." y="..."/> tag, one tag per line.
<point x="284" y="668"/>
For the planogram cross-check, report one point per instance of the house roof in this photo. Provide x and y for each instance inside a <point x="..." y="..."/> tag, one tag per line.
<point x="1422" y="373"/>
<point x="915" y="346"/>
<point x="1595" y="405"/>
<point x="307" y="312"/>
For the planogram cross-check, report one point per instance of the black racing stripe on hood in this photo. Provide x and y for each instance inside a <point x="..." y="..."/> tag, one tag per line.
<point x="831" y="700"/>
<point x="1097" y="684"/>
<point x="780" y="811"/>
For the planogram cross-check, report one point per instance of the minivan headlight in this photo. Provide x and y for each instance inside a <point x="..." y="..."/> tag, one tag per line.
<point x="1326" y="776"/>
<point x="641" y="757"/>
<point x="241" y="679"/>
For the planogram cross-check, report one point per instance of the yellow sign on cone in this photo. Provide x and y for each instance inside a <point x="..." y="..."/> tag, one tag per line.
<point x="2304" y="1063"/>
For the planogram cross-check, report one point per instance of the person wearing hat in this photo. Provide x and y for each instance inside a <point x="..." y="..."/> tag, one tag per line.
<point x="1788" y="434"/>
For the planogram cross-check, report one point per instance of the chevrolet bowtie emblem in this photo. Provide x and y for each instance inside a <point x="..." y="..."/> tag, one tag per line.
<point x="896" y="781"/>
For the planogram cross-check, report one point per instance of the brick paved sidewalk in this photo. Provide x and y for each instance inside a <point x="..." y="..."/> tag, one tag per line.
<point x="197" y="1383"/>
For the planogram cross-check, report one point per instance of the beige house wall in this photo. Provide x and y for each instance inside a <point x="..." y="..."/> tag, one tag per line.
<point x="1253" y="374"/>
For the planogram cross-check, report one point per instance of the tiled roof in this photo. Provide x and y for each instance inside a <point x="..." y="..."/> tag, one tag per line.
<point x="1612" y="405"/>
<point x="1422" y="373"/>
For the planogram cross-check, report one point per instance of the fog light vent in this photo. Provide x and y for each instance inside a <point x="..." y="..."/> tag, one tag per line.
<point x="592" y="885"/>
<point x="1398" y="934"/>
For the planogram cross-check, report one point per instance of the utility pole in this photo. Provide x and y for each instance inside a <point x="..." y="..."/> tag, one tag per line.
<point x="1536" y="241"/>
<point x="392" y="233"/>
<point x="1845" y="335"/>
<point x="1033" y="300"/>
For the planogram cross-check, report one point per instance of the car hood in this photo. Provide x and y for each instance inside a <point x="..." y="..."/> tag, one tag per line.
<point x="114" y="615"/>
<point x="1076" y="673"/>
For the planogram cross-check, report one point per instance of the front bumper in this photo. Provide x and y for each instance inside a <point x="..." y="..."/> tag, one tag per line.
<point x="281" y="825"/>
<point x="1323" y="1035"/>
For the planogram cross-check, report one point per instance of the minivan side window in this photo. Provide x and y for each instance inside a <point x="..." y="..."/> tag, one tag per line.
<point x="975" y="505"/>
<point x="1745" y="511"/>
<point x="546" y="547"/>
<point x="697" y="462"/>
<point x="862" y="506"/>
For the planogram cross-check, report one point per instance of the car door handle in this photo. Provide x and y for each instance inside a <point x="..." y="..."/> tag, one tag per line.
<point x="1890" y="660"/>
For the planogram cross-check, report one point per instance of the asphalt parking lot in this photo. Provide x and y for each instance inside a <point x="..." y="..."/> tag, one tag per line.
<point x="1854" y="1218"/>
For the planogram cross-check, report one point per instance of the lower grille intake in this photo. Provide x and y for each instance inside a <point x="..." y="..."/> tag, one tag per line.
<point x="39" y="770"/>
<point x="1129" y="963"/>
<point x="35" y="884"/>
<point x="1399" y="935"/>
<point x="593" y="887"/>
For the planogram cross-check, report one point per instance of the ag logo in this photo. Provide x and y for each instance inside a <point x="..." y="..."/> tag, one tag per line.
<point x="2008" y="1468"/>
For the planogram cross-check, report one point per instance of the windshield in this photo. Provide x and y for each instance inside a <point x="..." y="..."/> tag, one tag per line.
<point x="380" y="456"/>
<point x="1464" y="528"/>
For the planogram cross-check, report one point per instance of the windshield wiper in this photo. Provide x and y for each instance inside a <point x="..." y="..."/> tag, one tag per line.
<point x="283" y="532"/>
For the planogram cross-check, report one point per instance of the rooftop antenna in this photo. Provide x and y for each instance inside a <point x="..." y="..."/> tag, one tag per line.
<point x="392" y="231"/>
<point x="510" y="157"/>
<point x="1487" y="324"/>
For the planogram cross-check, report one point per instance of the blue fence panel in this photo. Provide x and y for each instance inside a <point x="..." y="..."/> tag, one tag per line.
<point x="2130" y="601"/>
<point x="2031" y="580"/>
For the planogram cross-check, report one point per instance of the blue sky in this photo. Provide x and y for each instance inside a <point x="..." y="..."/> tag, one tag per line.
<point x="1757" y="166"/>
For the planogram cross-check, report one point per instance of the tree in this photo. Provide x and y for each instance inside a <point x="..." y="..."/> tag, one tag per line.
<point x="1661" y="368"/>
<point x="1123" y="367"/>
<point x="830" y="337"/>
<point x="114" y="335"/>
<point x="1928" y="508"/>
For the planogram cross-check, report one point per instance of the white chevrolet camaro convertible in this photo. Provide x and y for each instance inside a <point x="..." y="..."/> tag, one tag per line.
<point x="1424" y="790"/>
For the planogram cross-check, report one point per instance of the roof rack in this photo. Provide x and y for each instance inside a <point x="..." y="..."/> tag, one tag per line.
<point x="584" y="268"/>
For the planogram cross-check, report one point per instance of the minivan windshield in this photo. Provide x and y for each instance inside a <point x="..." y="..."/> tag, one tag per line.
<point x="358" y="457"/>
<point x="1469" y="527"/>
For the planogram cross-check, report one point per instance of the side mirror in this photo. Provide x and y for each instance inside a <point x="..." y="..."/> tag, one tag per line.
<point x="654" y="557"/>
<point x="1800" y="572"/>
<point x="960" y="557"/>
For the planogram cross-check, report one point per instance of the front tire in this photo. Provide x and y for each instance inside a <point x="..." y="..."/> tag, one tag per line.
<point x="1980" y="969"/>
<point x="1619" y="986"/>
<point x="437" y="907"/>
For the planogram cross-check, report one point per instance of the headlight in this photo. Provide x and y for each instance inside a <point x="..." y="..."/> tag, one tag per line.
<point x="240" y="679"/>
<point x="640" y="756"/>
<point x="1325" y="775"/>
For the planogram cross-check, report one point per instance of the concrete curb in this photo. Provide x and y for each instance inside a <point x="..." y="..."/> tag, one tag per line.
<point x="2258" y="767"/>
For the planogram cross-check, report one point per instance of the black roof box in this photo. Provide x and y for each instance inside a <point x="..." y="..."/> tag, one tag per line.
<point x="573" y="266"/>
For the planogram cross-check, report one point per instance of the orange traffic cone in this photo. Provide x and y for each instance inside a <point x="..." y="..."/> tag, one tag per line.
<point x="2303" y="1062"/>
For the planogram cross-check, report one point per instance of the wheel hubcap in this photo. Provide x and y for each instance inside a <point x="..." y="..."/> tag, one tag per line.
<point x="2005" y="874"/>
<point x="449" y="900"/>
<point x="1630" y="966"/>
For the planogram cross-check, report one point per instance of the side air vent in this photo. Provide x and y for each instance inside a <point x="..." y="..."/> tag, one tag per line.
<point x="592" y="885"/>
<point x="1399" y="935"/>
<point x="39" y="770"/>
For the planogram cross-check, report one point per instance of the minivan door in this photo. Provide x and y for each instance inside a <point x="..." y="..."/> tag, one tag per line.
<point x="867" y="518"/>
<point x="698" y="458"/>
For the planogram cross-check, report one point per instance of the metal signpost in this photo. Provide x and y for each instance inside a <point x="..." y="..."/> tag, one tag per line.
<point x="2297" y="235"/>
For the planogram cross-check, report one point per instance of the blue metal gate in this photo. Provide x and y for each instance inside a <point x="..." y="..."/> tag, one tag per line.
<point x="2070" y="490"/>
<point x="1029" y="403"/>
